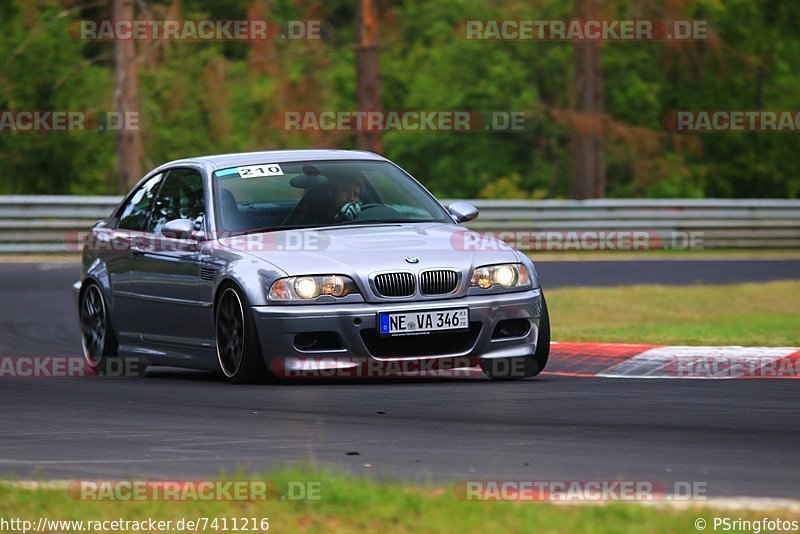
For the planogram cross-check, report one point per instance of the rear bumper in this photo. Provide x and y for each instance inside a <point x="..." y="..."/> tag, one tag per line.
<point x="355" y="327"/>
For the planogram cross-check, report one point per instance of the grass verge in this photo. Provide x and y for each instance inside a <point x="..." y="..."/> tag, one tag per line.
<point x="763" y="314"/>
<point x="349" y="504"/>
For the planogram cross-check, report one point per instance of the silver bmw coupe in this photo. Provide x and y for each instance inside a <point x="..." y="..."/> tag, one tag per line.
<point x="240" y="263"/>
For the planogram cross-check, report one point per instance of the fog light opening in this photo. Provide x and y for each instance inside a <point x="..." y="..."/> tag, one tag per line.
<point x="317" y="341"/>
<point x="510" y="328"/>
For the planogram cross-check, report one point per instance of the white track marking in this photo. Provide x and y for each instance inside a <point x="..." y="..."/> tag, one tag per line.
<point x="697" y="362"/>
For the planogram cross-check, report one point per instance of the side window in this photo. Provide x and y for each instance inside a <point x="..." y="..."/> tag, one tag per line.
<point x="133" y="215"/>
<point x="181" y="197"/>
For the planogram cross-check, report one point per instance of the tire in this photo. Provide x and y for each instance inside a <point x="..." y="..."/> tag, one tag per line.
<point x="238" y="349"/>
<point x="524" y="367"/>
<point x="97" y="334"/>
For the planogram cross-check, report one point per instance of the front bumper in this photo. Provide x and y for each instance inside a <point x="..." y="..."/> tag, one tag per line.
<point x="355" y="326"/>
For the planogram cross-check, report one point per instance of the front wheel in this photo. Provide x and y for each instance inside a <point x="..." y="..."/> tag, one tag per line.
<point x="238" y="350"/>
<point x="525" y="367"/>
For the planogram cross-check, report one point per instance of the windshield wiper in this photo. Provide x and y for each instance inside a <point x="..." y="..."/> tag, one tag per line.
<point x="281" y="228"/>
<point x="368" y="222"/>
<point x="358" y="222"/>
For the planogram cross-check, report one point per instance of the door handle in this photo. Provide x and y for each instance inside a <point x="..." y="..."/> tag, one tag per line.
<point x="137" y="250"/>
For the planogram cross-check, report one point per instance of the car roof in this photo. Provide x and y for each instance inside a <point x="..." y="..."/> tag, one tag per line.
<point x="224" y="161"/>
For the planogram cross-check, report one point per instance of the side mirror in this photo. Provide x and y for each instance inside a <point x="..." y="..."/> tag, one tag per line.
<point x="178" y="229"/>
<point x="463" y="211"/>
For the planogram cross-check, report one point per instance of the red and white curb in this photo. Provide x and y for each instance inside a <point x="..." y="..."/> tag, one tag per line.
<point x="618" y="360"/>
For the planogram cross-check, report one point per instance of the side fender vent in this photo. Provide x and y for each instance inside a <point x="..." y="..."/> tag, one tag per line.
<point x="208" y="274"/>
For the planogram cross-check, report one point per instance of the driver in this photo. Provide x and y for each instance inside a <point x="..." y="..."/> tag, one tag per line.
<point x="344" y="200"/>
<point x="333" y="201"/>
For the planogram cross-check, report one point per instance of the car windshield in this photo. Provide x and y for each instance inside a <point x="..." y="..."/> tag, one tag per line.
<point x="282" y="196"/>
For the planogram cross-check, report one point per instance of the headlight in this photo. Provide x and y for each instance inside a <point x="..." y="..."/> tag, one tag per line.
<point x="311" y="287"/>
<point x="505" y="275"/>
<point x="306" y="287"/>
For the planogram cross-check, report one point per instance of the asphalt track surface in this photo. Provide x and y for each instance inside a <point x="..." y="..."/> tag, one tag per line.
<point x="739" y="437"/>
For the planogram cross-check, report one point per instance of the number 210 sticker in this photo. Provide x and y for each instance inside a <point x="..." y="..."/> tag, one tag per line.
<point x="256" y="171"/>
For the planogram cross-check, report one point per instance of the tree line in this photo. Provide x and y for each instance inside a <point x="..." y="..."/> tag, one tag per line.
<point x="594" y="110"/>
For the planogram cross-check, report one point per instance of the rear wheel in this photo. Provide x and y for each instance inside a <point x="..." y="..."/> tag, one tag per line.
<point x="525" y="367"/>
<point x="97" y="336"/>
<point x="238" y="351"/>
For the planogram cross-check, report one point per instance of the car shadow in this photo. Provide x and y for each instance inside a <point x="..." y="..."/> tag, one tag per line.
<point x="175" y="373"/>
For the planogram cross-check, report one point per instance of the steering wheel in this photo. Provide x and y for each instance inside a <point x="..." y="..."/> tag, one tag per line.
<point x="377" y="212"/>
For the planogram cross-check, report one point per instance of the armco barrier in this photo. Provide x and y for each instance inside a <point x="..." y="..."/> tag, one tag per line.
<point x="39" y="224"/>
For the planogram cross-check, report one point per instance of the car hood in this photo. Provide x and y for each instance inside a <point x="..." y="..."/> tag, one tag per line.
<point x="361" y="250"/>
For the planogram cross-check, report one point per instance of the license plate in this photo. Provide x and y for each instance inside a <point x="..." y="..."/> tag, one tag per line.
<point x="422" y="322"/>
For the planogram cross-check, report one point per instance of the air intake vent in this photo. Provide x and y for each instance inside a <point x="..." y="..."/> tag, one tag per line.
<point x="438" y="282"/>
<point x="395" y="284"/>
<point x="208" y="274"/>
